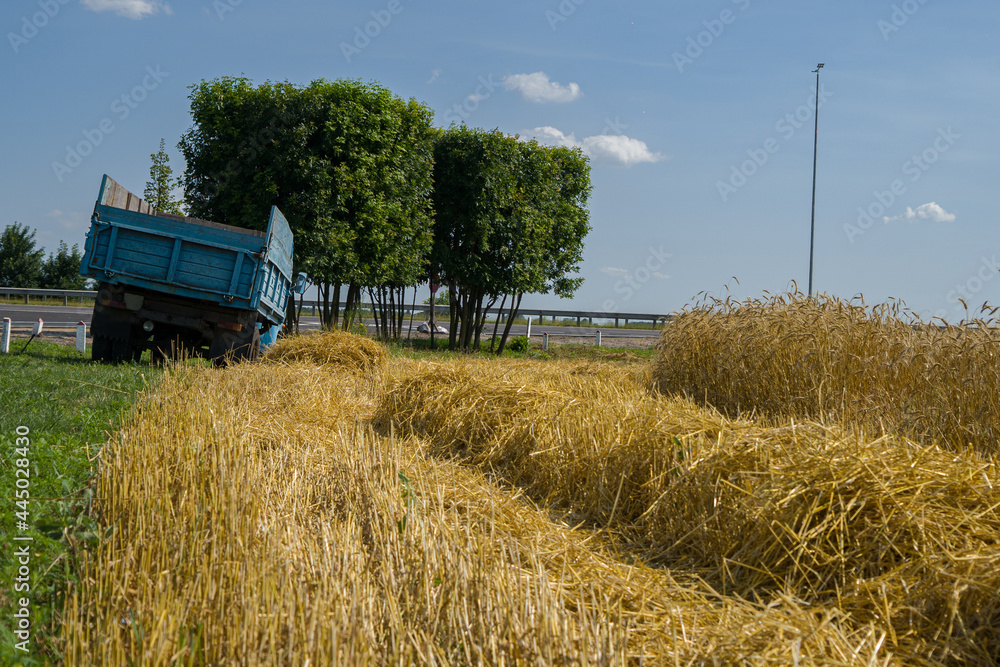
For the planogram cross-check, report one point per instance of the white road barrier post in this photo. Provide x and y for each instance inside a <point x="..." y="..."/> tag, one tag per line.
<point x="529" y="327"/>
<point x="545" y="342"/>
<point x="598" y="338"/>
<point x="5" y="341"/>
<point x="81" y="337"/>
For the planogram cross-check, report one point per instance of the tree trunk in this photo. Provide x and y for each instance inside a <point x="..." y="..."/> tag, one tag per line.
<point x="401" y="313"/>
<point x="412" y="309"/>
<point x="291" y="325"/>
<point x="481" y="314"/>
<point x="515" y="304"/>
<point x="351" y="307"/>
<point x="454" y="301"/>
<point x="493" y="338"/>
<point x="335" y="320"/>
<point x="324" y="307"/>
<point x="467" y="325"/>
<point x="477" y="318"/>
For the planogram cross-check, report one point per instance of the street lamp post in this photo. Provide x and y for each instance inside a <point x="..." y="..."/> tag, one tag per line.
<point x="812" y="224"/>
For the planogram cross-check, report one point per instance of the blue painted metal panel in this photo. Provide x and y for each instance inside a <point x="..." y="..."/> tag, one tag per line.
<point x="267" y="338"/>
<point x="273" y="283"/>
<point x="240" y="268"/>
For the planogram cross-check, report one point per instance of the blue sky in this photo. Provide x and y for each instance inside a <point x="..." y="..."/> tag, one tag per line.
<point x="698" y="117"/>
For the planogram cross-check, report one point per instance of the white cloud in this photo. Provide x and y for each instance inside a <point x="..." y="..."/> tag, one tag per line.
<point x="929" y="211"/>
<point x="435" y="75"/>
<point x="661" y="276"/>
<point x="537" y="88"/>
<point x="131" y="9"/>
<point x="619" y="149"/>
<point x="613" y="149"/>
<point x="550" y="136"/>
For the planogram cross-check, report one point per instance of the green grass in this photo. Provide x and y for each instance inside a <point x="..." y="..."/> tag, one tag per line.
<point x="46" y="301"/>
<point x="420" y="348"/>
<point x="68" y="403"/>
<point x="580" y="352"/>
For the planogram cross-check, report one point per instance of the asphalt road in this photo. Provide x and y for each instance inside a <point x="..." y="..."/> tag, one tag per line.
<point x="68" y="316"/>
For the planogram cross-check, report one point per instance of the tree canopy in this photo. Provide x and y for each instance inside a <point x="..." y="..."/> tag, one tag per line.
<point x="379" y="200"/>
<point x="23" y="264"/>
<point x="20" y="259"/>
<point x="511" y="219"/>
<point x="62" y="269"/>
<point x="348" y="163"/>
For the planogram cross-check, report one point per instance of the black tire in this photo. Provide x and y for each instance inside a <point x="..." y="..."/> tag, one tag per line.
<point x="121" y="351"/>
<point x="229" y="347"/>
<point x="247" y="348"/>
<point x="100" y="349"/>
<point x="220" y="346"/>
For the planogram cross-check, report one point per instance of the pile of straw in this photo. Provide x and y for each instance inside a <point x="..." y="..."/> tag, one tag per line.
<point x="330" y="348"/>
<point x="515" y="512"/>
<point x="903" y="537"/>
<point x="875" y="368"/>
<point x="254" y="516"/>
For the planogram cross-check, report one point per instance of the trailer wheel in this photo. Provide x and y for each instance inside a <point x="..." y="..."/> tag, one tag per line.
<point x="248" y="350"/>
<point x="100" y="349"/>
<point x="121" y="350"/>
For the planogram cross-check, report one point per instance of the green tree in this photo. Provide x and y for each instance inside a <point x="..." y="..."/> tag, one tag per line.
<point x="62" y="269"/>
<point x="20" y="260"/>
<point x="511" y="218"/>
<point x="474" y="188"/>
<point x="348" y="163"/>
<point x="161" y="184"/>
<point x="549" y="257"/>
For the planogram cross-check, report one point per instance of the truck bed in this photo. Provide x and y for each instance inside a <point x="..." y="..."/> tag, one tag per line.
<point x="131" y="244"/>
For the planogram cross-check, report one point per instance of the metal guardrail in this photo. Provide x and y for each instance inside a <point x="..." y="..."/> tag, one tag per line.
<point x="540" y="313"/>
<point x="64" y="294"/>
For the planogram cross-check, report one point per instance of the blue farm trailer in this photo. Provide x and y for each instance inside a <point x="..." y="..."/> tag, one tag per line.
<point x="167" y="282"/>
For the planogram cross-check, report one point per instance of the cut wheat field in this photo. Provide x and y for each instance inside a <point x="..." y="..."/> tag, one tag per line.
<point x="335" y="504"/>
